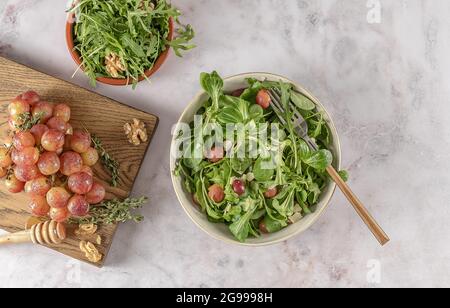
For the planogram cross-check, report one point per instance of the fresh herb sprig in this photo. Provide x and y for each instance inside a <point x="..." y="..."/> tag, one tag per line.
<point x="113" y="211"/>
<point x="27" y="121"/>
<point x="108" y="161"/>
<point x="135" y="32"/>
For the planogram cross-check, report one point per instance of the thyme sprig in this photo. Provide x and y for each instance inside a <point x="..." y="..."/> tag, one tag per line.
<point x="107" y="160"/>
<point x="27" y="121"/>
<point x="113" y="211"/>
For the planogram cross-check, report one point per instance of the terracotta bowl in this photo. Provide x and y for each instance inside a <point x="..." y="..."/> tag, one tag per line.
<point x="220" y="231"/>
<point x="115" y="81"/>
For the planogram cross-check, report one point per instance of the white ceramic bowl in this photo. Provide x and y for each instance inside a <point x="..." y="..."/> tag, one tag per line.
<point x="220" y="231"/>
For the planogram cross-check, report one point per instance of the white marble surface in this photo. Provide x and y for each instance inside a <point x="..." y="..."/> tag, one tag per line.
<point x="386" y="84"/>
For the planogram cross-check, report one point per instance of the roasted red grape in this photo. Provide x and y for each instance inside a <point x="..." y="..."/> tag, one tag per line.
<point x="30" y="97"/>
<point x="81" y="141"/>
<point x="71" y="163"/>
<point x="90" y="157"/>
<point x="78" y="206"/>
<point x="239" y="187"/>
<point x="97" y="194"/>
<point x="216" y="154"/>
<point x="49" y="163"/>
<point x="13" y="185"/>
<point x="263" y="99"/>
<point x="58" y="124"/>
<point x="52" y="140"/>
<point x="216" y="193"/>
<point x="38" y="187"/>
<point x="59" y="215"/>
<point x="5" y="158"/>
<point x="39" y="206"/>
<point x="38" y="131"/>
<point x="26" y="173"/>
<point x="62" y="111"/>
<point x="272" y="192"/>
<point x="26" y="157"/>
<point x="18" y="107"/>
<point x="44" y="110"/>
<point x="58" y="197"/>
<point x="22" y="140"/>
<point x="80" y="183"/>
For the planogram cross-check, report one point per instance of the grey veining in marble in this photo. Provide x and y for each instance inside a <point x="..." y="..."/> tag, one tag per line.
<point x="387" y="84"/>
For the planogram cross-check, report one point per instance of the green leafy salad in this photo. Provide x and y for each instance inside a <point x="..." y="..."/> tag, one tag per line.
<point x="124" y="38"/>
<point x="262" y="191"/>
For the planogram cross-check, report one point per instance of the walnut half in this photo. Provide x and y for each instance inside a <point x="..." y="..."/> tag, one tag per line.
<point x="114" y="65"/>
<point x="136" y="132"/>
<point x="91" y="252"/>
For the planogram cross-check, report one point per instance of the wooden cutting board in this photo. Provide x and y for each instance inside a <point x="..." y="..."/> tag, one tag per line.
<point x="101" y="116"/>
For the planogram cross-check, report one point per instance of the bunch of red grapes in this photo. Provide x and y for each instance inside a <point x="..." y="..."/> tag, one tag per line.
<point x="50" y="162"/>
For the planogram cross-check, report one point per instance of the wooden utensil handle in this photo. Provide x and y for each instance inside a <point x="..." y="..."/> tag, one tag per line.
<point x="373" y="226"/>
<point x="19" y="237"/>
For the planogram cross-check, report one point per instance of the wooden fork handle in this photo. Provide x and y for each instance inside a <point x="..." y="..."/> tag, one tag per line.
<point x="373" y="226"/>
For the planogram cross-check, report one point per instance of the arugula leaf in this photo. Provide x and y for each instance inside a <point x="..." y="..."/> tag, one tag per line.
<point x="302" y="101"/>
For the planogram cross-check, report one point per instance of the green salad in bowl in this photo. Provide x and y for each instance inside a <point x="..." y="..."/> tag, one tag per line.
<point x="243" y="168"/>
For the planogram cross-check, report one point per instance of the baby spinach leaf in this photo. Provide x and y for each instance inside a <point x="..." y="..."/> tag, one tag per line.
<point x="241" y="227"/>
<point x="262" y="170"/>
<point x="273" y="225"/>
<point x="319" y="160"/>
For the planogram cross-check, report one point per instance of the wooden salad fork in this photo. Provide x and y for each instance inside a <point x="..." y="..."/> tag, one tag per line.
<point x="301" y="128"/>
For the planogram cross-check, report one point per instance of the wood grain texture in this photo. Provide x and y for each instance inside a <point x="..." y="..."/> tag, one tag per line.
<point x="101" y="116"/>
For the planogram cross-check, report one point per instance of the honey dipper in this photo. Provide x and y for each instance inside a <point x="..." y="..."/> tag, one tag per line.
<point x="44" y="233"/>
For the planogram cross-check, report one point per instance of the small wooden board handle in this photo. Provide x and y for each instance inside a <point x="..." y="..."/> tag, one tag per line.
<point x="16" y="238"/>
<point x="371" y="223"/>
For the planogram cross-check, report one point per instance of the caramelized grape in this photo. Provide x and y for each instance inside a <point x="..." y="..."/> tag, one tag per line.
<point x="238" y="187"/>
<point x="13" y="124"/>
<point x="90" y="157"/>
<point x="58" y="197"/>
<point x="58" y="124"/>
<point x="38" y="131"/>
<point x="78" y="206"/>
<point x="52" y="140"/>
<point x="17" y="107"/>
<point x="13" y="185"/>
<point x="81" y="141"/>
<point x="272" y="192"/>
<point x="26" y="157"/>
<point x="31" y="97"/>
<point x="97" y="194"/>
<point x="39" y="206"/>
<point x="62" y="111"/>
<point x="5" y="158"/>
<point x="22" y="140"/>
<point x="80" y="183"/>
<point x="44" y="109"/>
<point x="26" y="173"/>
<point x="59" y="215"/>
<point x="38" y="187"/>
<point x="71" y="163"/>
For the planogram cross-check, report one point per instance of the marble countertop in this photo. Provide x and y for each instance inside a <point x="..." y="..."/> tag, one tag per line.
<point x="379" y="66"/>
